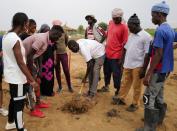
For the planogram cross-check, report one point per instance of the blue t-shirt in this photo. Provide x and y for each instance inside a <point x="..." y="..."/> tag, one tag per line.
<point x="164" y="38"/>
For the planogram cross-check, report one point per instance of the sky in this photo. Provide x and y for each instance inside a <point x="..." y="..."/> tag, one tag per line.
<point x="73" y="12"/>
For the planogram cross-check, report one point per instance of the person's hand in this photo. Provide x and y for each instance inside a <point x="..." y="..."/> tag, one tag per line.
<point x="1" y="53"/>
<point x="142" y="73"/>
<point x="120" y="62"/>
<point x="35" y="85"/>
<point x="38" y="80"/>
<point x="147" y="79"/>
<point x="84" y="80"/>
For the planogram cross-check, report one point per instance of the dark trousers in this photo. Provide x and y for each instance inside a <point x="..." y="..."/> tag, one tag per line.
<point x="63" y="59"/>
<point x="112" y="67"/>
<point x="16" y="105"/>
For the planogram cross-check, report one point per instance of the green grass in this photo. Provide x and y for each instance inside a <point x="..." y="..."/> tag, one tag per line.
<point x="151" y="31"/>
<point x="2" y="32"/>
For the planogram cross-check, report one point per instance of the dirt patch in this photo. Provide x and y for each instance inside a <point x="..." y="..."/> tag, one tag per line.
<point x="112" y="113"/>
<point x="174" y="77"/>
<point x="78" y="106"/>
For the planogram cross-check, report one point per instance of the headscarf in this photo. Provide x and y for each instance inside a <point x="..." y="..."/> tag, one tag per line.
<point x="56" y="22"/>
<point x="161" y="7"/>
<point x="117" y="12"/>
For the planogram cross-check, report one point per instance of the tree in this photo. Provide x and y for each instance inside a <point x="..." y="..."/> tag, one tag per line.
<point x="80" y="29"/>
<point x="103" y="25"/>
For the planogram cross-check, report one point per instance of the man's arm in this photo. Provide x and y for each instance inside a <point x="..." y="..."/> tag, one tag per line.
<point x="156" y="59"/>
<point x="55" y="53"/>
<point x="145" y="65"/>
<point x="66" y="39"/>
<point x="1" y="53"/>
<point x="175" y="40"/>
<point x="86" y="33"/>
<point x="90" y="65"/>
<point x="30" y="59"/>
<point x="125" y="38"/>
<point x="175" y="46"/>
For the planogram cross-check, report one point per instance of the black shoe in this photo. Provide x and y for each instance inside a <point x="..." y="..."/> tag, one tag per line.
<point x="103" y="89"/>
<point x="151" y="118"/>
<point x="70" y="90"/>
<point x="90" y="96"/>
<point x="116" y="92"/>
<point x="132" y="108"/>
<point x="117" y="101"/>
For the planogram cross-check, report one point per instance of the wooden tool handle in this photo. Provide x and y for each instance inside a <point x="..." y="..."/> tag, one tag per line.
<point x="80" y="91"/>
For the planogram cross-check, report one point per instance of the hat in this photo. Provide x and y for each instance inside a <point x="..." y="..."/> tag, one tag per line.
<point x="117" y="12"/>
<point x="91" y="16"/>
<point x="161" y="7"/>
<point x="56" y="22"/>
<point x="134" y="19"/>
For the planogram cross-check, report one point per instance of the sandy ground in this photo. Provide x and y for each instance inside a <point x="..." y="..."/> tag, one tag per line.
<point x="95" y="119"/>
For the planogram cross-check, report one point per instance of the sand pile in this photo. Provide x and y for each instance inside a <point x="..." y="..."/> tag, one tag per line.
<point x="78" y="105"/>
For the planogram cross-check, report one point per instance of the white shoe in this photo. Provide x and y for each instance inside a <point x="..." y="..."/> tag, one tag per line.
<point x="3" y="111"/>
<point x="10" y="126"/>
<point x="25" y="129"/>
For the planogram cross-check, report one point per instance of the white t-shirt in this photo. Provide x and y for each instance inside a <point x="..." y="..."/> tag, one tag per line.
<point x="136" y="48"/>
<point x="12" y="72"/>
<point x="90" y="49"/>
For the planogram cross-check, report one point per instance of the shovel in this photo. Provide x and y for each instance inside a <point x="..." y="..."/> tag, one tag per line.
<point x="80" y="92"/>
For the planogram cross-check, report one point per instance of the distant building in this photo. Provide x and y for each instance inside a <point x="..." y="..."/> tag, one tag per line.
<point x="69" y="30"/>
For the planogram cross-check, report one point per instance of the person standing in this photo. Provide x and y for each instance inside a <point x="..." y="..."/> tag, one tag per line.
<point x="136" y="55"/>
<point x="62" y="57"/>
<point x="117" y="36"/>
<point x="16" y="72"/>
<point x="35" y="46"/>
<point x="162" y="63"/>
<point x="3" y="111"/>
<point x="94" y="54"/>
<point x="47" y="72"/>
<point x="93" y="31"/>
<point x="30" y="92"/>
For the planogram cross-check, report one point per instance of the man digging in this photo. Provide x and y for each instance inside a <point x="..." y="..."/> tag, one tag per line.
<point x="94" y="54"/>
